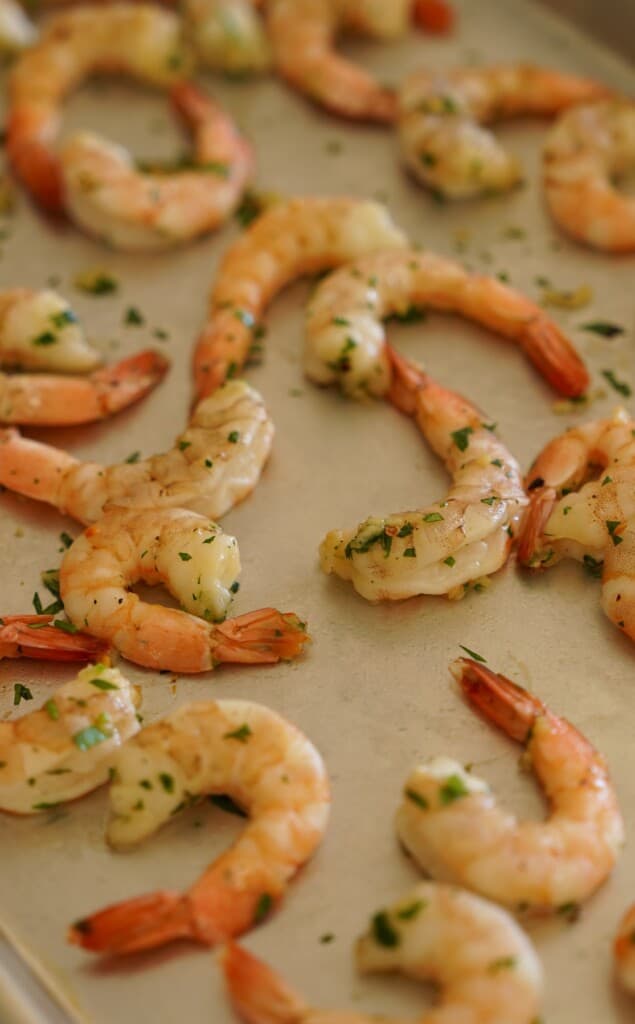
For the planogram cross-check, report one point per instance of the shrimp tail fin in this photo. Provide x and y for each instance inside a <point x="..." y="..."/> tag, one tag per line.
<point x="509" y="706"/>
<point x="35" y="163"/>
<point x="407" y="380"/>
<point x="128" y="381"/>
<point x="191" y="103"/>
<point x="222" y="346"/>
<point x="135" y="925"/>
<point x="555" y="358"/>
<point x="258" y="994"/>
<point x="32" y="636"/>
<point x="541" y="505"/>
<point x="260" y="637"/>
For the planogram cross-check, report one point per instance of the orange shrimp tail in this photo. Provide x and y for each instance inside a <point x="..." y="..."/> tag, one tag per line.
<point x="542" y="501"/>
<point x="434" y="16"/>
<point x="261" y="637"/>
<point x="191" y="103"/>
<point x="257" y="993"/>
<point x="555" y="358"/>
<point x="221" y="350"/>
<point x="31" y="636"/>
<point x="509" y="706"/>
<point x="37" y="167"/>
<point x="128" y="381"/>
<point x="135" y="925"/>
<point x="406" y="381"/>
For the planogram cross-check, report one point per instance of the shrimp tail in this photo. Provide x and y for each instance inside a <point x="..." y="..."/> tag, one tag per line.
<point x="406" y="382"/>
<point x="222" y="345"/>
<point x="260" y="637"/>
<point x="257" y="993"/>
<point x="540" y="508"/>
<point x="509" y="706"/>
<point x="37" y="166"/>
<point x="32" y="636"/>
<point x="135" y="925"/>
<point x="128" y="381"/>
<point x="555" y="358"/>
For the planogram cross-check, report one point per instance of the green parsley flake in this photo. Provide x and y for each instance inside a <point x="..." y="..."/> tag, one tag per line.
<point x="263" y="906"/>
<point x="452" y="789"/>
<point x="52" y="710"/>
<point x="433" y="517"/>
<point x="233" y="436"/>
<point x="461" y="437"/>
<point x="449" y="561"/>
<point x="416" y="798"/>
<point x="412" y="910"/>
<point x="134" y="457"/>
<point x="618" y="385"/>
<point x="184" y="556"/>
<point x="383" y="931"/>
<point x="612" y="525"/>
<point x="47" y="338"/>
<point x="473" y="654"/>
<point x="103" y="684"/>
<point x="225" y="803"/>
<point x="167" y="781"/>
<point x="89" y="737"/>
<point x="503" y="963"/>
<point x="242" y="734"/>
<point x="604" y="328"/>
<point x="21" y="692"/>
<point x="133" y="316"/>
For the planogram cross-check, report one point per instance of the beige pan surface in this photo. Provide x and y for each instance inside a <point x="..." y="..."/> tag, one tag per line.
<point x="373" y="692"/>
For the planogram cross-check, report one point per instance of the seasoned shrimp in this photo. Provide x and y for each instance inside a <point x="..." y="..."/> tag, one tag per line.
<point x="68" y="746"/>
<point x="442" y="118"/>
<point x="302" y="34"/>
<point x="230" y="747"/>
<point x="53" y="401"/>
<point x="451" y="824"/>
<point x="586" y="150"/>
<point x="16" y="31"/>
<point x="106" y="194"/>
<point x="198" y="564"/>
<point x="440" y="549"/>
<point x="377" y="18"/>
<point x="293" y="239"/>
<point x="139" y="39"/>
<point x="482" y="962"/>
<point x="40" y="331"/>
<point x="624" y="951"/>
<point x="214" y="464"/>
<point x="229" y="35"/>
<point x="36" y="636"/>
<point x="346" y="341"/>
<point x="583" y="506"/>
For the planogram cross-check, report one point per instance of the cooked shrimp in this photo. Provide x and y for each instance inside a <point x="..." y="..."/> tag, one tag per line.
<point x="40" y="331"/>
<point x="231" y="747"/>
<point x="585" y="152"/>
<point x="442" y="548"/>
<point x="139" y="39"/>
<point x="624" y="951"/>
<point x="229" y="35"/>
<point x="451" y="824"/>
<point x="53" y="401"/>
<point x="482" y="962"/>
<point x="302" y="34"/>
<point x="16" y="31"/>
<point x="442" y="118"/>
<point x="346" y="340"/>
<point x="106" y="194"/>
<point x="214" y="464"/>
<point x="377" y="18"/>
<point x="68" y="746"/>
<point x="299" y="237"/>
<point x="582" y="505"/>
<point x="198" y="564"/>
<point x="435" y="16"/>
<point x="36" y="636"/>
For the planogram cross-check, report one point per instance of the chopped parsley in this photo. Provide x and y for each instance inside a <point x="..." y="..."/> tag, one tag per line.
<point x="52" y="710"/>
<point x="620" y="386"/>
<point x="242" y="733"/>
<point x="416" y="798"/>
<point x="449" y="561"/>
<point x="452" y="789"/>
<point x="503" y="963"/>
<point x="461" y="437"/>
<point x="410" y="911"/>
<point x="167" y="781"/>
<point x="225" y="803"/>
<point x="89" y="737"/>
<point x="184" y="556"/>
<point x="46" y="338"/>
<point x="96" y="282"/>
<point x="473" y="654"/>
<point x="132" y="458"/>
<point x="433" y="517"/>
<point x="405" y="530"/>
<point x="383" y="931"/>
<point x="410" y="553"/>
<point x="235" y="587"/>
<point x="103" y="684"/>
<point x="604" y="328"/>
<point x="593" y="566"/>
<point x="64" y="317"/>
<point x="250" y="209"/>
<point x="21" y="692"/>
<point x="233" y="436"/>
<point x="65" y="626"/>
<point x="263" y="906"/>
<point x="183" y="445"/>
<point x="612" y="525"/>
<point x="133" y="316"/>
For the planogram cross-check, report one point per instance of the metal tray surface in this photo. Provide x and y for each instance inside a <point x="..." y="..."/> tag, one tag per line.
<point x="373" y="691"/>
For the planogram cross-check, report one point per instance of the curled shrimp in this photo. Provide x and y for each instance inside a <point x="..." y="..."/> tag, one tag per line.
<point x="16" y="30"/>
<point x="451" y="824"/>
<point x="214" y="464"/>
<point x="303" y="236"/>
<point x="139" y="39"/>
<point x="36" y="636"/>
<point x="582" y="506"/>
<point x="377" y="18"/>
<point x="228" y="35"/>
<point x="40" y="331"/>
<point x="67" y="747"/>
<point x="624" y="951"/>
<point x="230" y="747"/>
<point x="442" y="548"/>
<point x="302" y="34"/>
<point x="53" y="401"/>
<point x="481" y="961"/>
<point x="442" y="119"/>
<point x="199" y="565"/>
<point x="345" y="341"/>
<point x="585" y="152"/>
<point x="106" y="194"/>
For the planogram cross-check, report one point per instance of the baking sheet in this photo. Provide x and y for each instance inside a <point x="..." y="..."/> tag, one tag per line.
<point x="373" y="692"/>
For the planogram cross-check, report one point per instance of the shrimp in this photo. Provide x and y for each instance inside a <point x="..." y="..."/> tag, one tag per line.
<point x="450" y="823"/>
<point x="139" y="39"/>
<point x="67" y="747"/>
<point x="135" y="211"/>
<point x="53" y="401"/>
<point x="481" y="961"/>
<point x="582" y="505"/>
<point x="440" y="549"/>
<point x="228" y="35"/>
<point x="377" y="18"/>
<point x="290" y="240"/>
<point x="40" y="331"/>
<point x="584" y="153"/>
<point x="624" y="951"/>
<point x="302" y="35"/>
<point x="231" y="747"/>
<point x="37" y="636"/>
<point x="198" y="564"/>
<point x="214" y="464"/>
<point x="345" y="337"/>
<point x="16" y="31"/>
<point x="442" y="117"/>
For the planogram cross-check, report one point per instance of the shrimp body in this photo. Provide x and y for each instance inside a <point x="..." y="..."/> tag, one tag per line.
<point x="292" y="239"/>
<point x="199" y="565"/>
<point x="16" y="31"/>
<point x="67" y="747"/>
<point x="483" y="964"/>
<point x="214" y="464"/>
<point x="624" y="951"/>
<point x="40" y="331"/>
<point x="582" y="505"/>
<point x="451" y="824"/>
<point x="231" y="747"/>
<point x="440" y="549"/>
<point x="377" y="18"/>
<point x="442" y="122"/>
<point x="36" y="636"/>
<point x="345" y="341"/>
<point x="106" y="194"/>
<point x="229" y="35"/>
<point x="585" y="151"/>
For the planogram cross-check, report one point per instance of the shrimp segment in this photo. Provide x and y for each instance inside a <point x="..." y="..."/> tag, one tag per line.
<point x="198" y="564"/>
<point x="582" y="505"/>
<point x="345" y="340"/>
<point x="231" y="747"/>
<point x="40" y="331"/>
<point x="624" y="951"/>
<point x="480" y="959"/>
<point x="293" y="239"/>
<point x="451" y="824"/>
<point x="67" y="747"/>
<point x="442" y="118"/>
<point x="228" y="35"/>
<point x="440" y="549"/>
<point x="35" y="636"/>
